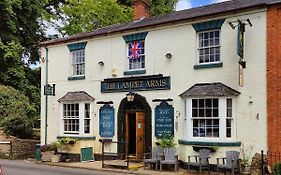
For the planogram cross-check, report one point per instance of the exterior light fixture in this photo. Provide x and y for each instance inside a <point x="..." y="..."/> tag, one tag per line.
<point x="130" y="96"/>
<point x="101" y="63"/>
<point x="168" y="55"/>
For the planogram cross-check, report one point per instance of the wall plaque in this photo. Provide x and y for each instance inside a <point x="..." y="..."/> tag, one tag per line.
<point x="164" y="120"/>
<point x="106" y="120"/>
<point x="142" y="83"/>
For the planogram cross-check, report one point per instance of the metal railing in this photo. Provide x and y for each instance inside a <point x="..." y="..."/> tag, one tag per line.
<point x="108" y="156"/>
<point x="269" y="158"/>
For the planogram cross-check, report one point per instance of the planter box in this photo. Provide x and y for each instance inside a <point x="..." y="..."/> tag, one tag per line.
<point x="47" y="156"/>
<point x="55" y="158"/>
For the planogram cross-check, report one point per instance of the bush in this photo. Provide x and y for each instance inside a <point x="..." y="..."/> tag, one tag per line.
<point x="13" y="112"/>
<point x="18" y="126"/>
<point x="167" y="142"/>
<point x="65" y="143"/>
<point x="48" y="147"/>
<point x="276" y="169"/>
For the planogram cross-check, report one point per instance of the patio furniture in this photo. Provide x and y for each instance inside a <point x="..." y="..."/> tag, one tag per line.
<point x="229" y="163"/>
<point x="169" y="158"/>
<point x="201" y="160"/>
<point x="153" y="157"/>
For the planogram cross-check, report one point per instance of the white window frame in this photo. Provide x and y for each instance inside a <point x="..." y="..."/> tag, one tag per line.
<point x="214" y="46"/>
<point x="188" y="135"/>
<point x="127" y="62"/>
<point x="81" y="120"/>
<point x="74" y="63"/>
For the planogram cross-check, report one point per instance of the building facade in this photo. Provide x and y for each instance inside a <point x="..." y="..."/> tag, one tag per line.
<point x="198" y="74"/>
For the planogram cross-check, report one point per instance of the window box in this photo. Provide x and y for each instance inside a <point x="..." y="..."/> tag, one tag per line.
<point x="134" y="72"/>
<point x="76" y="78"/>
<point x="204" y="66"/>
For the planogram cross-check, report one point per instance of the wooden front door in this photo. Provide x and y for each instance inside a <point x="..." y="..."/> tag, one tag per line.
<point x="140" y="126"/>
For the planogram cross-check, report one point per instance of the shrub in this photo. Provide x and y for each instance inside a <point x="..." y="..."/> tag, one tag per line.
<point x="167" y="142"/>
<point x="49" y="147"/>
<point x="18" y="126"/>
<point x="276" y="169"/>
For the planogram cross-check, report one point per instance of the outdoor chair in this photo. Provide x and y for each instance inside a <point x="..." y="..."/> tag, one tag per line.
<point x="169" y="158"/>
<point x="153" y="157"/>
<point x="229" y="163"/>
<point x="201" y="160"/>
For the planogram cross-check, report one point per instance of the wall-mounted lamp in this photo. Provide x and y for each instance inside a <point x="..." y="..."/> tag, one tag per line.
<point x="241" y="22"/>
<point x="250" y="100"/>
<point x="130" y="96"/>
<point x="168" y="55"/>
<point x="101" y="63"/>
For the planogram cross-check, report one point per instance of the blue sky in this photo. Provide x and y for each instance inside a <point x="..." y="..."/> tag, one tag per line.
<point x="184" y="4"/>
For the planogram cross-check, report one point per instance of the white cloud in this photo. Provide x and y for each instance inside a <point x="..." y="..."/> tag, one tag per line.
<point x="183" y="4"/>
<point x="217" y="1"/>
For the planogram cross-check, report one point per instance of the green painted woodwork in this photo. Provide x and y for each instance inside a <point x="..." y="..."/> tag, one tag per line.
<point x="135" y="37"/>
<point x="77" y="46"/>
<point x="204" y="66"/>
<point x="76" y="78"/>
<point x="87" y="154"/>
<point x="134" y="72"/>
<point x="201" y="143"/>
<point x="209" y="25"/>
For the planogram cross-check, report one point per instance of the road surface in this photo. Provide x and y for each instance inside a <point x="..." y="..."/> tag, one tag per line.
<point x="15" y="167"/>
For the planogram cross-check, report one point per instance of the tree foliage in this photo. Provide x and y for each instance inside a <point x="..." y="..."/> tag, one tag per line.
<point x="13" y="111"/>
<point x="20" y="32"/>
<point x="100" y="13"/>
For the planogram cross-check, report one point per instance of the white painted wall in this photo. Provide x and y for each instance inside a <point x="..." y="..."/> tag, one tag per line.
<point x="181" y="41"/>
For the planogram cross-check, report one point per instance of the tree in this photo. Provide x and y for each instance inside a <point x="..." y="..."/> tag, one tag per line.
<point x="100" y="13"/>
<point x="20" y="32"/>
<point x="13" y="111"/>
<point x="158" y="7"/>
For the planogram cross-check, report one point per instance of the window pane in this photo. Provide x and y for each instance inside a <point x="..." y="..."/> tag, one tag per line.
<point x="209" y="47"/>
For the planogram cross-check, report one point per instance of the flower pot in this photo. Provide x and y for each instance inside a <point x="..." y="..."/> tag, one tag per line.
<point x="245" y="168"/>
<point x="55" y="158"/>
<point x="47" y="156"/>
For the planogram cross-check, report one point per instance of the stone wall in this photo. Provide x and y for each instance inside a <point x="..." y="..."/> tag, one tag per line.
<point x="21" y="148"/>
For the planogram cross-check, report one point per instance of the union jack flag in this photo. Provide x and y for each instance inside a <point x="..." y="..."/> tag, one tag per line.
<point x="135" y="50"/>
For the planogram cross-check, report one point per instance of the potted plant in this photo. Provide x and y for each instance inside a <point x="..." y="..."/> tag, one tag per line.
<point x="47" y="151"/>
<point x="64" y="144"/>
<point x="246" y="158"/>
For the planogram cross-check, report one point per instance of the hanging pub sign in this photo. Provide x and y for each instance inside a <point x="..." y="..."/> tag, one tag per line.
<point x="240" y="42"/>
<point x="141" y="83"/>
<point x="106" y="120"/>
<point x="49" y="90"/>
<point x="164" y="120"/>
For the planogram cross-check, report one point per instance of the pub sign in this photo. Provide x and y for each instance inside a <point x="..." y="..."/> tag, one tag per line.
<point x="164" y="120"/>
<point x="106" y="121"/>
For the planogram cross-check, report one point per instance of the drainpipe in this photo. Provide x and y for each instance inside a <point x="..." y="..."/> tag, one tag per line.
<point x="46" y="97"/>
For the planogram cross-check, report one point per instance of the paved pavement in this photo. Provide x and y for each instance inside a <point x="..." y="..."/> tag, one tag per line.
<point x="134" y="168"/>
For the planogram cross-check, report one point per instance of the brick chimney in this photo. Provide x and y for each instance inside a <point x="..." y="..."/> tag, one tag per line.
<point x="141" y="9"/>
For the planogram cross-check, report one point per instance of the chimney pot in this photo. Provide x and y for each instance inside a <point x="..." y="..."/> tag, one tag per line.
<point x="141" y="9"/>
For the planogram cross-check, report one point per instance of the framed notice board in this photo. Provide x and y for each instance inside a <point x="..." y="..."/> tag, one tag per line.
<point x="86" y="154"/>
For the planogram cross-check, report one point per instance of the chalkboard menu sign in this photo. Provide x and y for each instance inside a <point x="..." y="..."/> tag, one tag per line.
<point x="106" y="121"/>
<point x="164" y="120"/>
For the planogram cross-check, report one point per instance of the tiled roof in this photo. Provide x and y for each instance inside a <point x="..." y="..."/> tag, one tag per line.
<point x="76" y="96"/>
<point x="209" y="90"/>
<point x="188" y="14"/>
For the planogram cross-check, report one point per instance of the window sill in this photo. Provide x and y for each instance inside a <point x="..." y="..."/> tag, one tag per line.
<point x="78" y="137"/>
<point x="76" y="78"/>
<point x="134" y="72"/>
<point x="202" y="143"/>
<point x="211" y="65"/>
